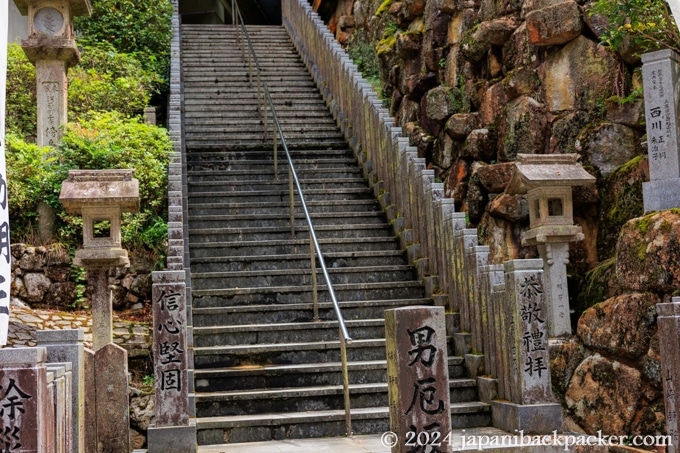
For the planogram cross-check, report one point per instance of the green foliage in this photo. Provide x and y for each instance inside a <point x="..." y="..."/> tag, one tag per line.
<point x="648" y="24"/>
<point x="26" y="177"/>
<point x="137" y="27"/>
<point x="362" y="53"/>
<point x="21" y="97"/>
<point x="108" y="80"/>
<point x="104" y="141"/>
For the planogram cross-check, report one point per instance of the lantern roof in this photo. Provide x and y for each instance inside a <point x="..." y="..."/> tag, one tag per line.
<point x="547" y="170"/>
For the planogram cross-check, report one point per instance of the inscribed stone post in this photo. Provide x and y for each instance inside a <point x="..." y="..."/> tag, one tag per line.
<point x="669" y="342"/>
<point x="24" y="403"/>
<point x="418" y="377"/>
<point x="59" y="402"/>
<point x="532" y="408"/>
<point x="67" y="346"/>
<point x="5" y="267"/>
<point x="112" y="403"/>
<point x="89" y="407"/>
<point x="556" y="257"/>
<point x="660" y="73"/>
<point x="174" y="430"/>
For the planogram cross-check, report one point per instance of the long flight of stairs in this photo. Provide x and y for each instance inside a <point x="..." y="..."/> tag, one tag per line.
<point x="263" y="369"/>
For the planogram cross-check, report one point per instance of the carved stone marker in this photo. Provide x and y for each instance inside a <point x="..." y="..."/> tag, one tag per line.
<point x="112" y="403"/>
<point x="24" y="401"/>
<point x="174" y="430"/>
<point x="660" y="73"/>
<point x="5" y="265"/>
<point x="418" y="377"/>
<point x="669" y="342"/>
<point x="532" y="407"/>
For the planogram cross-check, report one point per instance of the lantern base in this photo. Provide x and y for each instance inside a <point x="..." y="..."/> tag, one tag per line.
<point x="101" y="258"/>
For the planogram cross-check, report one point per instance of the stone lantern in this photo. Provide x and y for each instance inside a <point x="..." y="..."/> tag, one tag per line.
<point x="52" y="48"/>
<point x="100" y="196"/>
<point x="547" y="179"/>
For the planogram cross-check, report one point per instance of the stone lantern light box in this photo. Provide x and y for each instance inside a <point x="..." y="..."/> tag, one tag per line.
<point x="100" y="196"/>
<point x="547" y="179"/>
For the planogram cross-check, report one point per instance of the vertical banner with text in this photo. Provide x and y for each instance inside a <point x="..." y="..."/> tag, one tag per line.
<point x="5" y="257"/>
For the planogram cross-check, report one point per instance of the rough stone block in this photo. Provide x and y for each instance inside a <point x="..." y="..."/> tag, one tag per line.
<point x="172" y="439"/>
<point x="556" y="24"/>
<point x="532" y="419"/>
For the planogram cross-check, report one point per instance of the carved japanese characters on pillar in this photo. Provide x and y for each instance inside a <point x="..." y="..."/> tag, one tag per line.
<point x="418" y="379"/>
<point x="669" y="344"/>
<point x="170" y="350"/>
<point x="5" y="267"/>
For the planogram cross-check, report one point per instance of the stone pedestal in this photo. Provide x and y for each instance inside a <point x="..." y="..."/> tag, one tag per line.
<point x="660" y="71"/>
<point x="532" y="406"/>
<point x="669" y="342"/>
<point x="417" y="376"/>
<point x="24" y="400"/>
<point x="555" y="259"/>
<point x="67" y="346"/>
<point x="174" y="431"/>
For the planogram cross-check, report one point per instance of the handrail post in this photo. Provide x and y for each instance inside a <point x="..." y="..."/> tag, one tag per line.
<point x="345" y="382"/>
<point x="276" y="156"/>
<point x="292" y="202"/>
<point x="266" y="126"/>
<point x="315" y="288"/>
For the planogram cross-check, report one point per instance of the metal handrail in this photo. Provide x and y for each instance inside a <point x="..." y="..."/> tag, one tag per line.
<point x="315" y="248"/>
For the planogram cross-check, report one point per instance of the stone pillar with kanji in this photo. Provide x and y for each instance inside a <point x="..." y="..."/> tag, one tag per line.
<point x="418" y="379"/>
<point x="668" y="319"/>
<point x="51" y="47"/>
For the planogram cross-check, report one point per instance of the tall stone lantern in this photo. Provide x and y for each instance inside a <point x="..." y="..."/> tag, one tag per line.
<point x="52" y="48"/>
<point x="100" y="196"/>
<point x="547" y="179"/>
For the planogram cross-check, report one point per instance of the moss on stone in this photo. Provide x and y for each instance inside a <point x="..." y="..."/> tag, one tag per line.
<point x="384" y="6"/>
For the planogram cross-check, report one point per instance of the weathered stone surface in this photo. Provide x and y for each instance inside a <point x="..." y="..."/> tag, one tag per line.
<point x="142" y="411"/>
<point x="475" y="200"/>
<point x="621" y="326"/>
<point x="608" y="145"/>
<point x="577" y="75"/>
<point x="445" y="151"/>
<point x="493" y="9"/>
<point x="518" y="50"/>
<point x="503" y="238"/>
<point x="493" y="102"/>
<point x="32" y="261"/>
<point x="439" y="104"/>
<point x="651" y="363"/>
<point x="461" y="124"/>
<point x="480" y="145"/>
<point x="631" y="114"/>
<point x="510" y="207"/>
<point x="555" y="24"/>
<point x="408" y="44"/>
<point x="57" y="273"/>
<point x="413" y="8"/>
<point x="648" y="253"/>
<point x="61" y="294"/>
<point x="494" y="178"/>
<point x="523" y="129"/>
<point x="604" y="395"/>
<point x="520" y="82"/>
<point x="417" y="84"/>
<point x="472" y="47"/>
<point x="565" y="129"/>
<point x="113" y="414"/>
<point x="496" y="32"/>
<point x="565" y="357"/>
<point x="37" y="286"/>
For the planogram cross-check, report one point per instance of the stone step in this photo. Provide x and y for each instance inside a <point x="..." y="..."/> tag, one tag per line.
<point x="301" y="332"/>
<point x="222" y="297"/>
<point x="296" y="261"/>
<point x="281" y="220"/>
<point x="300" y="312"/>
<point x="317" y="398"/>
<point x="267" y="154"/>
<point x="267" y="207"/>
<point x="267" y="166"/>
<point x="253" y="428"/>
<point x="266" y="174"/>
<point x="257" y="144"/>
<point x="208" y="235"/>
<point x="301" y="375"/>
<point x="336" y="189"/>
<point x="300" y="277"/>
<point x="286" y="353"/>
<point x="291" y="246"/>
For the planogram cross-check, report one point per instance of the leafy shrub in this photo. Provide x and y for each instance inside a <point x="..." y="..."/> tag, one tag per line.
<point x="107" y="80"/>
<point x="21" y="112"/>
<point x="137" y="27"/>
<point x="104" y="141"/>
<point x="649" y="24"/>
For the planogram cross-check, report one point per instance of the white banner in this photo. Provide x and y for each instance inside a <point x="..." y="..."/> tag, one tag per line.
<point x="675" y="10"/>
<point x="5" y="256"/>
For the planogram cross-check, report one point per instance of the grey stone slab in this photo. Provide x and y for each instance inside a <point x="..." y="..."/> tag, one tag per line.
<point x="67" y="346"/>
<point x="661" y="195"/>
<point x="417" y="370"/>
<point x="111" y="399"/>
<point x="89" y="407"/>
<point x="531" y="419"/>
<point x="172" y="439"/>
<point x="660" y="72"/>
<point x="555" y="259"/>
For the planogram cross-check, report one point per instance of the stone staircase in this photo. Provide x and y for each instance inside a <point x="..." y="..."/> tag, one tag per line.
<point x="263" y="369"/>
